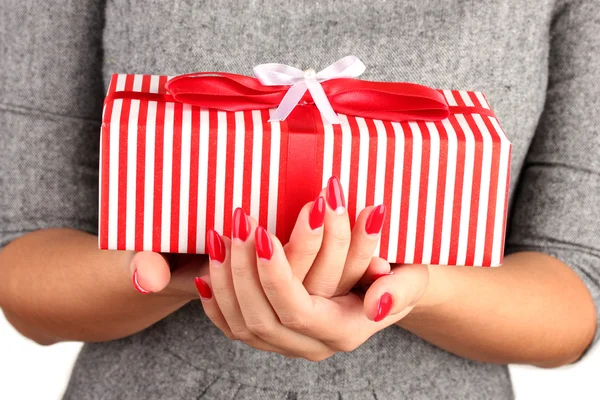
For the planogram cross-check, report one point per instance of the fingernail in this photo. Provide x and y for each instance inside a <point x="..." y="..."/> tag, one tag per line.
<point x="136" y="284"/>
<point x="384" y="307"/>
<point x="264" y="246"/>
<point x="203" y="289"/>
<point x="335" y="195"/>
<point x="375" y="220"/>
<point x="216" y="247"/>
<point x="241" y="225"/>
<point x="377" y="276"/>
<point x="316" y="216"/>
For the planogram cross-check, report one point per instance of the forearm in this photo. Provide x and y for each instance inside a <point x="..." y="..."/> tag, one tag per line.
<point x="532" y="310"/>
<point x="56" y="285"/>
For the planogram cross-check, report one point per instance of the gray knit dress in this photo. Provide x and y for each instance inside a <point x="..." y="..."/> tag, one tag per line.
<point x="538" y="61"/>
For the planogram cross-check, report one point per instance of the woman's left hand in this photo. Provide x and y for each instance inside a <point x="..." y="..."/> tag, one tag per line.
<point x="264" y="304"/>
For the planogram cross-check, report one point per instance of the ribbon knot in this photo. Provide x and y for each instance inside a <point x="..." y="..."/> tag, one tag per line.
<point x="274" y="74"/>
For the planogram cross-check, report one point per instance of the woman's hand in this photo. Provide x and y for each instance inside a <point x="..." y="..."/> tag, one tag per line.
<point x="167" y="274"/>
<point x="259" y="297"/>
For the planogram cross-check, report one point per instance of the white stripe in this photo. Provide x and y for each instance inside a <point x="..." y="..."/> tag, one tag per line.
<point x="220" y="170"/>
<point x="137" y="83"/>
<point x="274" y="173"/>
<point x="363" y="165"/>
<point x="154" y="80"/>
<point x="484" y="190"/>
<point x="465" y="209"/>
<point x="184" y="185"/>
<point x="434" y="159"/>
<point x="167" y="178"/>
<point x="202" y="182"/>
<point x="481" y="99"/>
<point x="256" y="164"/>
<point x="328" y="139"/>
<point x="413" y="207"/>
<point x="396" y="192"/>
<point x="113" y="166"/>
<point x="501" y="197"/>
<point x="380" y="171"/>
<point x="346" y="153"/>
<point x="449" y="196"/>
<point x="500" y="131"/>
<point x="238" y="160"/>
<point x="149" y="175"/>
<point x="450" y="98"/>
<point x="466" y="98"/>
<point x="130" y="211"/>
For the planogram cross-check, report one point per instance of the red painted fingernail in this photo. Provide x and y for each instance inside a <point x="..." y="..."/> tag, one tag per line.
<point x="384" y="307"/>
<point x="316" y="216"/>
<point x="136" y="284"/>
<point x="216" y="247"/>
<point x="335" y="195"/>
<point x="241" y="225"/>
<point x="264" y="246"/>
<point x="375" y="220"/>
<point x="203" y="289"/>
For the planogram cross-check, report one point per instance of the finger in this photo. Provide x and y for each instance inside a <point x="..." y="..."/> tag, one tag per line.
<point x="211" y="308"/>
<point x="182" y="277"/>
<point x="324" y="276"/>
<point x="307" y="236"/>
<point x="365" y="236"/>
<point x="219" y="249"/>
<point x="394" y="295"/>
<point x="378" y="268"/>
<point x="150" y="272"/>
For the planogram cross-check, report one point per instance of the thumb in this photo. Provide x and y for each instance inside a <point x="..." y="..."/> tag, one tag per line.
<point x="150" y="272"/>
<point x="396" y="294"/>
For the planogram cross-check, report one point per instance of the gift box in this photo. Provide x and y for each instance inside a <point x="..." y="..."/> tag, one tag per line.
<point x="172" y="168"/>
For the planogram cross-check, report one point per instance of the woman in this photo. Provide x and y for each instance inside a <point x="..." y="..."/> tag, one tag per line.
<point x="448" y="333"/>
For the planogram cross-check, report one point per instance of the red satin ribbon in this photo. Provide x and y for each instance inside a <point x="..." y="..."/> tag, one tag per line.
<point x="396" y="101"/>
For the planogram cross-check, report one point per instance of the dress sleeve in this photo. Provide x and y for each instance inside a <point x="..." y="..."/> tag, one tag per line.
<point x="51" y="94"/>
<point x="556" y="209"/>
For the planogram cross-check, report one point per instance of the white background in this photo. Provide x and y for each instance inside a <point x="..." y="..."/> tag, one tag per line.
<point x="32" y="372"/>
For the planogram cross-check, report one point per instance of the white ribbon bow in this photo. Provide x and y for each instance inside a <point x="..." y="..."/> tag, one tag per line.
<point x="280" y="74"/>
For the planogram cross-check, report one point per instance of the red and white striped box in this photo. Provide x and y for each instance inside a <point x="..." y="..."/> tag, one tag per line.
<point x="171" y="171"/>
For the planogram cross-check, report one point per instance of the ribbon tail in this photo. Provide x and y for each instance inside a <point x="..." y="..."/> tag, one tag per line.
<point x="289" y="102"/>
<point x="322" y="102"/>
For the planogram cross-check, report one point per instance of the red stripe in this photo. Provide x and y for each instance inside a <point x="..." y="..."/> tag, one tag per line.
<point x="158" y="170"/>
<point x="458" y="190"/>
<point x="281" y="223"/>
<point x="320" y="129"/>
<point x="493" y="194"/>
<point x="388" y="187"/>
<point x="248" y="149"/>
<point x="123" y="161"/>
<point x="441" y="194"/>
<point x="265" y="169"/>
<point x="352" y="187"/>
<point x="475" y="193"/>
<point x="406" y="175"/>
<point x="474" y="99"/>
<point x="229" y="174"/>
<point x="423" y="192"/>
<point x="176" y="177"/>
<point x="372" y="163"/>
<point x="141" y="168"/>
<point x="458" y="98"/>
<point x="336" y="169"/>
<point x="192" y="244"/>
<point x="506" y="204"/>
<point x="105" y="164"/>
<point x="211" y="167"/>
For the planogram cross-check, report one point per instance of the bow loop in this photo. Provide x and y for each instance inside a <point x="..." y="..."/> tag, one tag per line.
<point x="331" y="90"/>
